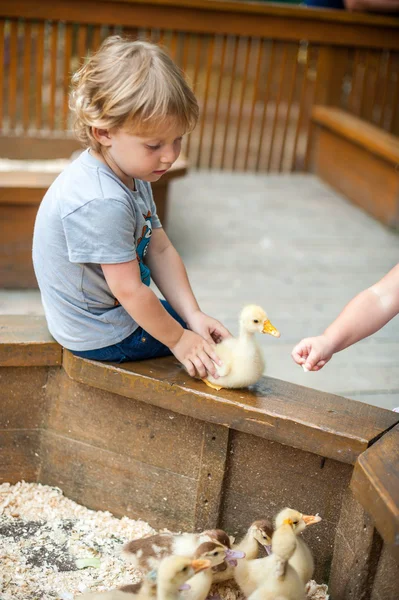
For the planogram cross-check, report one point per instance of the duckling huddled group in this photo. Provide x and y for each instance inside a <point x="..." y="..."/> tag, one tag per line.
<point x="184" y="566"/>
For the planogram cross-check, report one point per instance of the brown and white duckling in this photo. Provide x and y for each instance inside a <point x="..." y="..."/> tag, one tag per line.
<point x="172" y="574"/>
<point x="302" y="559"/>
<point x="259" y="535"/>
<point x="147" y="552"/>
<point x="280" y="580"/>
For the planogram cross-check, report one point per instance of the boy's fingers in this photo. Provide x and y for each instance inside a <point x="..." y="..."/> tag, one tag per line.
<point x="189" y="367"/>
<point x="200" y="367"/>
<point x="209" y="365"/>
<point x="212" y="354"/>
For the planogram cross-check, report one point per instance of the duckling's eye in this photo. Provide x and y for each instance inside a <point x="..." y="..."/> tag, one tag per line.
<point x="215" y="553"/>
<point x="185" y="569"/>
<point x="256" y="321"/>
<point x="295" y="522"/>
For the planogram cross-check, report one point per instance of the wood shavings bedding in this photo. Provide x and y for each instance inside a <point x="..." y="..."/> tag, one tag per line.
<point x="43" y="534"/>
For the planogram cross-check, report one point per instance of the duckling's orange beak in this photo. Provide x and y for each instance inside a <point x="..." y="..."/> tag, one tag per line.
<point x="270" y="329"/>
<point x="200" y="564"/>
<point x="311" y="519"/>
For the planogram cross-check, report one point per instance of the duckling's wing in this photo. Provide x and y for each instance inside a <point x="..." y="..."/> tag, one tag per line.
<point x="144" y="553"/>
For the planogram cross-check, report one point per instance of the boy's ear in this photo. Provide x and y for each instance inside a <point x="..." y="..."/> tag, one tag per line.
<point x="102" y="136"/>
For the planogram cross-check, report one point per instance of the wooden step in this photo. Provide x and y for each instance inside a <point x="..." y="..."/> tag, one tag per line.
<point x="314" y="421"/>
<point x="359" y="160"/>
<point x="375" y="483"/>
<point x="25" y="341"/>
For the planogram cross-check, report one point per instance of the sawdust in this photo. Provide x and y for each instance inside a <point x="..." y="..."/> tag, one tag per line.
<point x="43" y="534"/>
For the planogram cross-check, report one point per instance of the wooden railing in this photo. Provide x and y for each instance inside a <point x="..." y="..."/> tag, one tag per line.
<point x="257" y="69"/>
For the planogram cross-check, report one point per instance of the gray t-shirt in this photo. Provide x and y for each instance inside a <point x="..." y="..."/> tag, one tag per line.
<point x="88" y="217"/>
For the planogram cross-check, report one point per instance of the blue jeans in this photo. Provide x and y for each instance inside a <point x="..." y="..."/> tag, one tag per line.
<point x="138" y="346"/>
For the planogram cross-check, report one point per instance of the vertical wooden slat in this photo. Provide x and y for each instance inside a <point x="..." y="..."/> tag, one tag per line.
<point x="39" y="73"/>
<point x="82" y="43"/>
<point x="217" y="104"/>
<point x="311" y="102"/>
<point x="211" y="49"/>
<point x="12" y="75"/>
<point x="243" y="90"/>
<point x="304" y="87"/>
<point x="67" y="63"/>
<point x="288" y="113"/>
<point x="27" y="75"/>
<point x="2" y="25"/>
<point x="363" y="96"/>
<point x="173" y="45"/>
<point x="232" y="78"/>
<point x="386" y="82"/>
<point x="278" y="100"/>
<point x="186" y="51"/>
<point x="96" y="39"/>
<point x="254" y="101"/>
<point x="266" y="102"/>
<point x="355" y="73"/>
<point x="376" y="84"/>
<point x="195" y="80"/>
<point x="53" y="73"/>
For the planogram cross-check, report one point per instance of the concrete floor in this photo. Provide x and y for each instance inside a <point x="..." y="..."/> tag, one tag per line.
<point x="292" y="245"/>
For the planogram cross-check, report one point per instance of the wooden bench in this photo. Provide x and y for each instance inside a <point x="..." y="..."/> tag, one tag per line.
<point x="177" y="453"/>
<point x="358" y="159"/>
<point x="21" y="192"/>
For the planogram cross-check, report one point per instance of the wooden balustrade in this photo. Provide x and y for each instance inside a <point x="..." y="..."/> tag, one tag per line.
<point x="257" y="69"/>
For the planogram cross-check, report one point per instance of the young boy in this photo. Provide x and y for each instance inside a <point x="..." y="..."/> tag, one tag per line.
<point x="365" y="314"/>
<point x="98" y="240"/>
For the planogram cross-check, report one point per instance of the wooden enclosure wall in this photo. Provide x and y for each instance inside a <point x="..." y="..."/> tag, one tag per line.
<point x="256" y="69"/>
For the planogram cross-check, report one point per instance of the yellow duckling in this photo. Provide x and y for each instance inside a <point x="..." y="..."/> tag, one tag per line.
<point x="259" y="535"/>
<point x="302" y="559"/>
<point x="198" y="586"/>
<point x="280" y="580"/>
<point x="243" y="363"/>
<point x="173" y="573"/>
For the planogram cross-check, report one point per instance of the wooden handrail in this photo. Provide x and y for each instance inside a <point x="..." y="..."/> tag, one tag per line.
<point x="214" y="17"/>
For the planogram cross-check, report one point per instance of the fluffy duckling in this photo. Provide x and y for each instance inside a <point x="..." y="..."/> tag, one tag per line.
<point x="146" y="553"/>
<point x="259" y="535"/>
<point x="302" y="559"/>
<point x="173" y="573"/>
<point x="200" y="584"/>
<point x="250" y="574"/>
<point x="280" y="580"/>
<point x="242" y="358"/>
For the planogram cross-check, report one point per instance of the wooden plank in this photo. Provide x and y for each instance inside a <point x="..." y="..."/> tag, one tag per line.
<point x="39" y="73"/>
<point x="25" y="341"/>
<point x="366" y="135"/>
<point x="12" y="74"/>
<point x="19" y="409"/>
<point x="239" y="18"/>
<point x="139" y="430"/>
<point x="328" y="425"/>
<point x="27" y="75"/>
<point x="368" y="180"/>
<point x="375" y="483"/>
<point x="19" y="456"/>
<point x="104" y="480"/>
<point x="212" y="471"/>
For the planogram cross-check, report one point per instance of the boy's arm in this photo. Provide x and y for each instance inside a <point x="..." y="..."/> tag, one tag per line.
<point x="170" y="275"/>
<point x="362" y="316"/>
<point x="145" y="308"/>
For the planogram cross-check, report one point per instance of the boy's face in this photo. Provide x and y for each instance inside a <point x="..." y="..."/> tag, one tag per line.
<point x="143" y="157"/>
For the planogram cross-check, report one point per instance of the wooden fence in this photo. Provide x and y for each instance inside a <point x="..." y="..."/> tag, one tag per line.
<point x="257" y="69"/>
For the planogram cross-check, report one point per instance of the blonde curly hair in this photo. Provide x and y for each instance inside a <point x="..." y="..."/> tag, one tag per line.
<point x="133" y="85"/>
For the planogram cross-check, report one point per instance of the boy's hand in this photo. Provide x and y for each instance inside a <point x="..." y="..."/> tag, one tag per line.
<point x="313" y="353"/>
<point x="208" y="327"/>
<point x="196" y="355"/>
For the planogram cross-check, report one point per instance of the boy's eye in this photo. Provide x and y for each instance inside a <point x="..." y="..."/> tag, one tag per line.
<point x="153" y="147"/>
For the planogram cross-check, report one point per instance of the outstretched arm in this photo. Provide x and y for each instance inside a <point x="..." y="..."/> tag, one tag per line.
<point x="364" y="315"/>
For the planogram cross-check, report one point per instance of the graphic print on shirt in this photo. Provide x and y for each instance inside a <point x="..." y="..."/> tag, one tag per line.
<point x="142" y="248"/>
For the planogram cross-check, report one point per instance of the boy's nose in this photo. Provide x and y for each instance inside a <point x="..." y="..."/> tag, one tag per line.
<point x="169" y="155"/>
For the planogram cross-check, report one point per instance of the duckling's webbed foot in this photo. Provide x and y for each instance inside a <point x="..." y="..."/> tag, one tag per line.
<point x="212" y="385"/>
